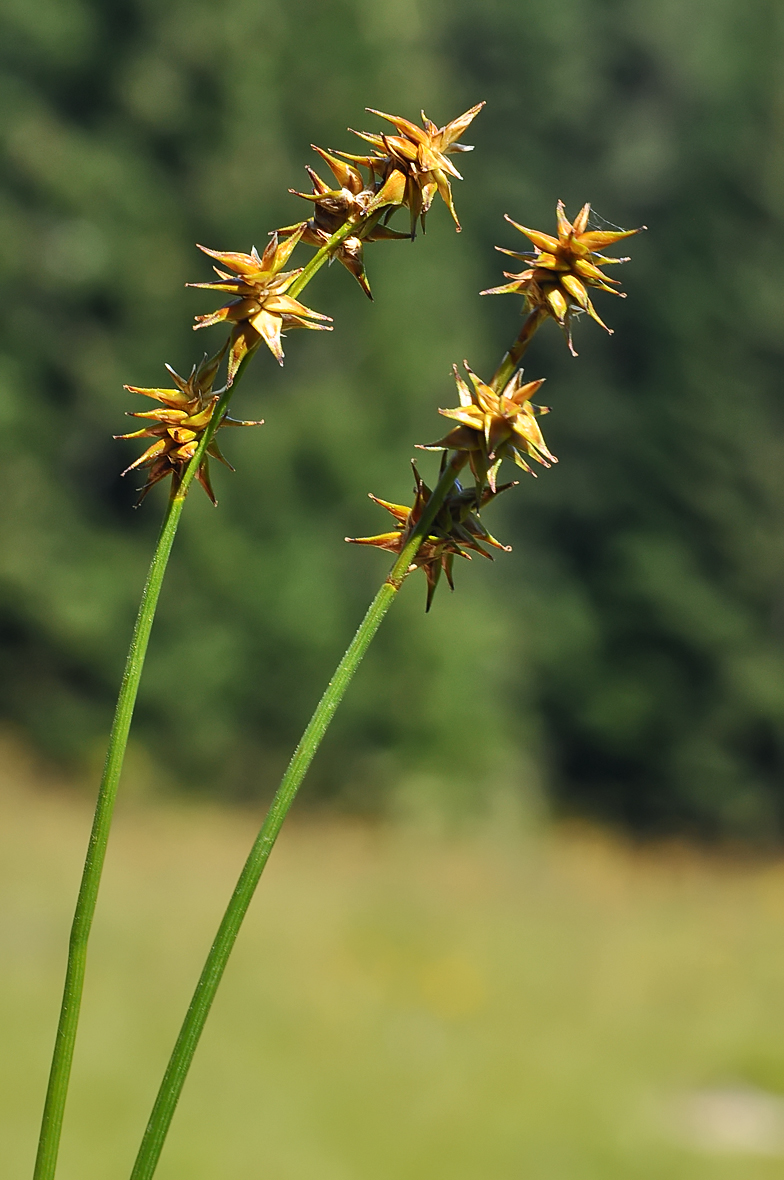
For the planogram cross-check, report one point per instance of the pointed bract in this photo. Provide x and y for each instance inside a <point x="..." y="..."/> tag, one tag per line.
<point x="178" y="426"/>
<point x="495" y="426"/>
<point x="561" y="269"/>
<point x="455" y="529"/>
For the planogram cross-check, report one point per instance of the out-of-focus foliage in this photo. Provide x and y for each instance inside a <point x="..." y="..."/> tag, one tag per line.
<point x="629" y="654"/>
<point x="401" y="1003"/>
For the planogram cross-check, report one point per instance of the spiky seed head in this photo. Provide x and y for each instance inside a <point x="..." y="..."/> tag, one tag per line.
<point x="333" y="208"/>
<point x="262" y="309"/>
<point x="455" y="530"/>
<point x="412" y="166"/>
<point x="561" y="269"/>
<point x="495" y="426"/>
<point x="178" y="424"/>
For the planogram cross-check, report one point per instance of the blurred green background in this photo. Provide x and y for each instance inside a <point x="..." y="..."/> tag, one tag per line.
<point x="627" y="659"/>
<point x="478" y="1001"/>
<point x="402" y="1002"/>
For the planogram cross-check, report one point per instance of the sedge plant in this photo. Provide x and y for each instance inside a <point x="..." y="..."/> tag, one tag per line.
<point x="495" y="420"/>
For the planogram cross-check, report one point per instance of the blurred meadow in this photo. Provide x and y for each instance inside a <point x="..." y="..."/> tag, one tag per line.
<point x="529" y="917"/>
<point x="403" y="1002"/>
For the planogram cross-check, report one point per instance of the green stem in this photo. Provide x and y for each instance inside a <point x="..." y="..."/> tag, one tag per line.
<point x="212" y="973"/>
<point x="515" y="353"/>
<point x="193" y="1025"/>
<point x="62" y="1057"/>
<point x="321" y="256"/>
<point x="54" y="1106"/>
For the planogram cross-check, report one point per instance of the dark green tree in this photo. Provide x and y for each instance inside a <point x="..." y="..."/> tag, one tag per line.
<point x="630" y="655"/>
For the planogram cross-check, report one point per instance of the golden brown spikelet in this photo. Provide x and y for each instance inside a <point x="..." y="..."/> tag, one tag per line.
<point x="561" y="269"/>
<point x="333" y="208"/>
<point x="411" y="166"/>
<point x="455" y="530"/>
<point x="495" y="426"/>
<point x="262" y="309"/>
<point x="178" y="425"/>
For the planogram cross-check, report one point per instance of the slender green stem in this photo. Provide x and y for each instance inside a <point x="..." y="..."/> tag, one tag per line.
<point x="65" y="1040"/>
<point x="515" y="353"/>
<point x="62" y="1058"/>
<point x="54" y="1106"/>
<point x="193" y="1025"/>
<point x="212" y="973"/>
<point x="321" y="256"/>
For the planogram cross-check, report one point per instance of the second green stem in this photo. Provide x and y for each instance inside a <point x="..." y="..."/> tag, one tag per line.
<point x="220" y="951"/>
<point x="209" y="981"/>
<point x="54" y="1105"/>
<point x="65" y="1040"/>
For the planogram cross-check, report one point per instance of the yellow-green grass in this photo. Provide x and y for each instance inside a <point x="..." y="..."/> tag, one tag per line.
<point x="401" y="1004"/>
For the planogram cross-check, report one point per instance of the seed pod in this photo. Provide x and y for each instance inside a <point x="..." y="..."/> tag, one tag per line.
<point x="455" y="529"/>
<point x="561" y="269"/>
<point x="178" y="426"/>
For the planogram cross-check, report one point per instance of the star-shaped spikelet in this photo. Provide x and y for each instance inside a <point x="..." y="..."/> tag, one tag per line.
<point x="177" y="427"/>
<point x="495" y="426"/>
<point x="333" y="207"/>
<point x="455" y="529"/>
<point x="263" y="309"/>
<point x="562" y="268"/>
<point x="413" y="165"/>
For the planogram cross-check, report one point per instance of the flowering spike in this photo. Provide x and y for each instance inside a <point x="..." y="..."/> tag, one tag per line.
<point x="560" y="271"/>
<point x="495" y="426"/>
<point x="353" y="202"/>
<point x="261" y="310"/>
<point x="177" y="428"/>
<point x="413" y="165"/>
<point x="455" y="530"/>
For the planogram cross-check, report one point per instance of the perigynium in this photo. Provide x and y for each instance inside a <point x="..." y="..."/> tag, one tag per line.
<point x="179" y="425"/>
<point x="561" y="269"/>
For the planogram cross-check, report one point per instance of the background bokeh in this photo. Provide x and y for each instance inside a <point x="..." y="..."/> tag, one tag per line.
<point x="627" y="660"/>
<point x="402" y="1001"/>
<point x="431" y="983"/>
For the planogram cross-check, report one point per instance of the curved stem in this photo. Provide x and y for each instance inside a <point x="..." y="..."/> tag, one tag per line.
<point x="54" y="1106"/>
<point x="515" y="353"/>
<point x="209" y="981"/>
<point x="321" y="256"/>
<point x="220" y="951"/>
<point x="62" y="1057"/>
